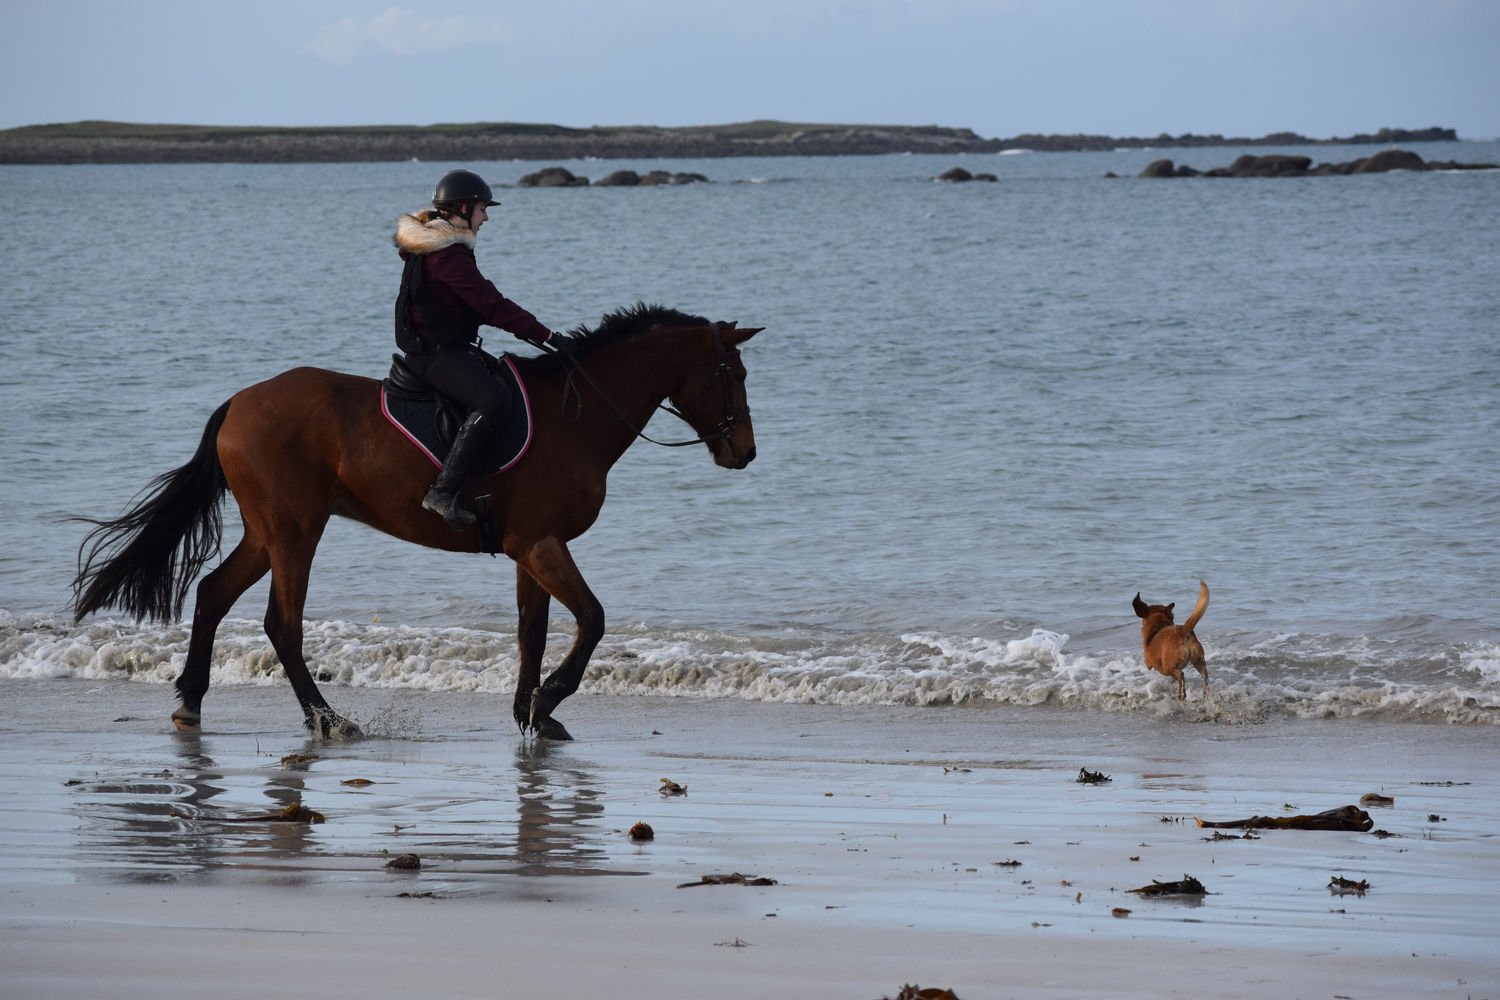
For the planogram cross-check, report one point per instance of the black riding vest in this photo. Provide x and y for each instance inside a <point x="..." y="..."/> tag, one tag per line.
<point x="439" y="326"/>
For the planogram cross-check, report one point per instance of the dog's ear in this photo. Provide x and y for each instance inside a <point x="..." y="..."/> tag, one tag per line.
<point x="1139" y="605"/>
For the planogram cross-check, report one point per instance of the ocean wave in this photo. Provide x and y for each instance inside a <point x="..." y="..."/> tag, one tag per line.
<point x="1252" y="677"/>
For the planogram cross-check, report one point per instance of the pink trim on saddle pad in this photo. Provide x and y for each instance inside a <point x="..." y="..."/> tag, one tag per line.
<point x="437" y="460"/>
<point x="526" y="408"/>
<point x="405" y="433"/>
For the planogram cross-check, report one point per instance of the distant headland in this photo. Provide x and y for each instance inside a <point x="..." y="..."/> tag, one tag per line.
<point x="123" y="142"/>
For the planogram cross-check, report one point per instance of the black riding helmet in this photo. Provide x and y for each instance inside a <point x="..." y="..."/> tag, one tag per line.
<point x="459" y="188"/>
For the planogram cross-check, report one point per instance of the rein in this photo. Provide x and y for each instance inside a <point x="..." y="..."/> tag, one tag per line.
<point x="723" y="373"/>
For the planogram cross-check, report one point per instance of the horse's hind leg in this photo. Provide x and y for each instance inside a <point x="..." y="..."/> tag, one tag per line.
<point x="289" y="572"/>
<point x="217" y="593"/>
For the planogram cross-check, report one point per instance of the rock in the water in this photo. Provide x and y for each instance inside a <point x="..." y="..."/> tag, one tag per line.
<point x="620" y="178"/>
<point x="553" y="177"/>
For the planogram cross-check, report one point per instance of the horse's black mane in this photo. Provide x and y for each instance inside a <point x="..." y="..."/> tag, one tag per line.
<point x="629" y="321"/>
<point x="622" y="324"/>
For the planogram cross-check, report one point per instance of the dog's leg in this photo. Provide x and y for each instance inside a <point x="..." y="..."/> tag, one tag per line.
<point x="1196" y="658"/>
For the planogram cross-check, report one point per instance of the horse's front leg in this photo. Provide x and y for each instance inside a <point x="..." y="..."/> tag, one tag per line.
<point x="551" y="565"/>
<point x="532" y="602"/>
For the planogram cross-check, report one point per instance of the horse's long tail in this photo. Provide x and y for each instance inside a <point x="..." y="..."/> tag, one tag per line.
<point x="1198" y="608"/>
<point x="143" y="561"/>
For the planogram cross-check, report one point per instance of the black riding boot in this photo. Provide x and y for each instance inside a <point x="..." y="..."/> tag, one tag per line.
<point x="468" y="448"/>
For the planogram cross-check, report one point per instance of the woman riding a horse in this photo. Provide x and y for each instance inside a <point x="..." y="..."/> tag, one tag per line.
<point x="308" y="445"/>
<point x="442" y="303"/>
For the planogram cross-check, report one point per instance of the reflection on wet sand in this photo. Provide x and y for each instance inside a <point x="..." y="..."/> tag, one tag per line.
<point x="165" y="824"/>
<point x="558" y="806"/>
<point x="133" y="826"/>
<point x="199" y="814"/>
<point x="555" y="805"/>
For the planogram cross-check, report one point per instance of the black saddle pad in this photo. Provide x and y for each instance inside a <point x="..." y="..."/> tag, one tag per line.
<point x="421" y="418"/>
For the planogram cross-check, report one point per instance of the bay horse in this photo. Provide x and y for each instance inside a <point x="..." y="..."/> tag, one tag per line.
<point x="309" y="444"/>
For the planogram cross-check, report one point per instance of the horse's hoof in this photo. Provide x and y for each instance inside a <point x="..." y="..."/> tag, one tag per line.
<point x="328" y="726"/>
<point x="186" y="721"/>
<point x="550" y="729"/>
<point x="539" y="710"/>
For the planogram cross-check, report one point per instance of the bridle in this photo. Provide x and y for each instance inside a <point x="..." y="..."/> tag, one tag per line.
<point x="724" y="371"/>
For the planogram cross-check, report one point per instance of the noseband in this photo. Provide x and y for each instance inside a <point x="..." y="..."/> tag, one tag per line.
<point x="722" y="374"/>
<point x="724" y="371"/>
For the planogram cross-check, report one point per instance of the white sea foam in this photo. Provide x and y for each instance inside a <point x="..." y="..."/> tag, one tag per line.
<point x="1251" y="678"/>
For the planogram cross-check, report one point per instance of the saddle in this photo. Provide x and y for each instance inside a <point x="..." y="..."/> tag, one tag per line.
<point x="430" y="420"/>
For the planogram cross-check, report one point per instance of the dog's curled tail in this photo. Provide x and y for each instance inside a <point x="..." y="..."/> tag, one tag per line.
<point x="1198" y="608"/>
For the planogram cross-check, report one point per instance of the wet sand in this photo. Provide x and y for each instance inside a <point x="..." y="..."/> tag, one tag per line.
<point x="947" y="847"/>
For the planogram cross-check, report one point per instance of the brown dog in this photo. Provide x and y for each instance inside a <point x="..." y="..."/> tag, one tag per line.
<point x="1169" y="648"/>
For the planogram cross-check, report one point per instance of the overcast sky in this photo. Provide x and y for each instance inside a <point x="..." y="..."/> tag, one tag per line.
<point x="1001" y="67"/>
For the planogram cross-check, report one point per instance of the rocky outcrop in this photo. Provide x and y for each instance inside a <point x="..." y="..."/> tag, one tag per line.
<point x="561" y="177"/>
<point x="552" y="177"/>
<point x="1274" y="165"/>
<point x="958" y="175"/>
<point x="1387" y="159"/>
<point x="1283" y="165"/>
<point x="658" y="177"/>
<point x="1455" y="165"/>
<point x="620" y="178"/>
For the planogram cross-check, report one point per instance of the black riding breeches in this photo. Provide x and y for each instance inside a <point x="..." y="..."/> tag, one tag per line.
<point x="461" y="372"/>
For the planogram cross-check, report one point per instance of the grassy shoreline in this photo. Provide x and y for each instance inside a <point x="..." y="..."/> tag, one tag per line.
<point x="125" y="142"/>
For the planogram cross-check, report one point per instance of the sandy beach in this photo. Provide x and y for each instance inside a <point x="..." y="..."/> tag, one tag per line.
<point x="944" y="847"/>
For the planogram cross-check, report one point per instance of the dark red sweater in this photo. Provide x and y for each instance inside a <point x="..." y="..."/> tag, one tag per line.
<point x="452" y="278"/>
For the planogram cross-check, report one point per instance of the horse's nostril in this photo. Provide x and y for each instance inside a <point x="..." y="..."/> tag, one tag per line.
<point x="749" y="456"/>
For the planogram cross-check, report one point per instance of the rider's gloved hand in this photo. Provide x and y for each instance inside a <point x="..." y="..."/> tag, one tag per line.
<point x="561" y="344"/>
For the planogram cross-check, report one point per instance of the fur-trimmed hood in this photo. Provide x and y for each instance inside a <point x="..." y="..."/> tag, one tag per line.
<point x="426" y="232"/>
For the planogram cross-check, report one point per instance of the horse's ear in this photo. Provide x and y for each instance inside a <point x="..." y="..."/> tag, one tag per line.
<point x="734" y="336"/>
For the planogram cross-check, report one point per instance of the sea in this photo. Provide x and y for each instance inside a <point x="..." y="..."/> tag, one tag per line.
<point x="987" y="414"/>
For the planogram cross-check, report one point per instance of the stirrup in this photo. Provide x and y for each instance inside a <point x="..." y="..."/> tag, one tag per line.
<point x="444" y="502"/>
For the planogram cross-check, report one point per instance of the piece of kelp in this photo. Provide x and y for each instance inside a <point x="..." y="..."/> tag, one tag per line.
<point x="1340" y="886"/>
<point x="912" y="992"/>
<point x="1188" y="886"/>
<point x="294" y="813"/>
<point x="734" y="878"/>
<point x="1351" y="818"/>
